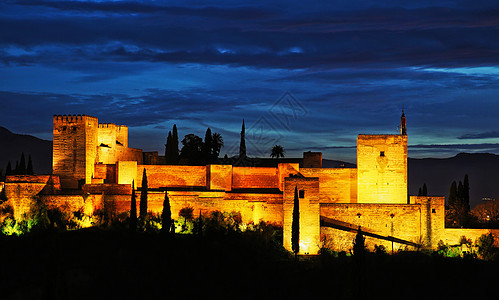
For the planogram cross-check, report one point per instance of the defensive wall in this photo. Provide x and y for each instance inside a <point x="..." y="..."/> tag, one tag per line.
<point x="93" y="168"/>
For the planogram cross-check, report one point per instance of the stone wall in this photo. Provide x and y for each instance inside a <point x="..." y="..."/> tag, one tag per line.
<point x="219" y="177"/>
<point x="401" y="221"/>
<point x="309" y="213"/>
<point x="254" y="177"/>
<point x="172" y="176"/>
<point x="312" y="159"/>
<point x="335" y="185"/>
<point x="382" y="169"/>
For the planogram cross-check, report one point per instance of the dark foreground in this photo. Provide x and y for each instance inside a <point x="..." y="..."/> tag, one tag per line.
<point x="97" y="264"/>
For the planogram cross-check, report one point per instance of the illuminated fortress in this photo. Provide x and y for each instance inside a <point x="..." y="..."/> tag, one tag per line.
<point x="93" y="167"/>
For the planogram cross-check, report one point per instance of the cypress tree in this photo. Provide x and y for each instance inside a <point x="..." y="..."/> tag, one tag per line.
<point x="207" y="146"/>
<point x="295" y="226"/>
<point x="29" y="169"/>
<point x="168" y="149"/>
<point x="143" y="196"/>
<point x="133" y="211"/>
<point x="166" y="215"/>
<point x="22" y="165"/>
<point x="242" y="145"/>
<point x="425" y="190"/>
<point x="466" y="196"/>
<point x="420" y="193"/>
<point x="8" y="171"/>
<point x="359" y="247"/>
<point x="16" y="171"/>
<point x="460" y="193"/>
<point x="175" y="151"/>
<point x="452" y="194"/>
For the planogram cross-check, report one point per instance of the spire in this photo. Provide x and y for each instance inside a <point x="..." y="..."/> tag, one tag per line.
<point x="242" y="146"/>
<point x="403" y="125"/>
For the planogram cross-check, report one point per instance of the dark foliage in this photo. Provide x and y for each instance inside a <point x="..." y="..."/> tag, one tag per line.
<point x="166" y="215"/>
<point x="242" y="144"/>
<point x="133" y="211"/>
<point x="143" y="196"/>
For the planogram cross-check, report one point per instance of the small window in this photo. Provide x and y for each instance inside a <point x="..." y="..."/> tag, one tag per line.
<point x="382" y="153"/>
<point x="433" y="211"/>
<point x="301" y="194"/>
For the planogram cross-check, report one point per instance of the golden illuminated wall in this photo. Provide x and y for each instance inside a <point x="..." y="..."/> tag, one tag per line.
<point x="337" y="185"/>
<point x="309" y="213"/>
<point x="74" y="148"/>
<point x="382" y="169"/>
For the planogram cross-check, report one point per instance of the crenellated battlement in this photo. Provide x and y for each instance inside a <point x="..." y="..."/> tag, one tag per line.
<point x="62" y="119"/>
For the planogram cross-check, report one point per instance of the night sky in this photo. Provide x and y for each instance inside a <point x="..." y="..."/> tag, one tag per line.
<point x="309" y="75"/>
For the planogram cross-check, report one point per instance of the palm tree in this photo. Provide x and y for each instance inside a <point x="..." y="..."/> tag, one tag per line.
<point x="277" y="151"/>
<point x="217" y="144"/>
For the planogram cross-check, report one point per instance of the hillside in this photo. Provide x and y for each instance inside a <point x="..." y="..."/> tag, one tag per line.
<point x="438" y="174"/>
<point x="12" y="145"/>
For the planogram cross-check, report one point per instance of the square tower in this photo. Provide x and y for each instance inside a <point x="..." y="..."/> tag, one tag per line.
<point x="382" y="169"/>
<point x="74" y="149"/>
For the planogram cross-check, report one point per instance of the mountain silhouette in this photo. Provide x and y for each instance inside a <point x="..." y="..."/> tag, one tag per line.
<point x="438" y="174"/>
<point x="12" y="145"/>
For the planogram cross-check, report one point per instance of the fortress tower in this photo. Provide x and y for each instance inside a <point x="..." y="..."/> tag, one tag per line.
<point x="382" y="167"/>
<point x="74" y="149"/>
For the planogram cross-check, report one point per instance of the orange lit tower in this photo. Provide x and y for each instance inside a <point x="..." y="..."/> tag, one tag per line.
<point x="382" y="167"/>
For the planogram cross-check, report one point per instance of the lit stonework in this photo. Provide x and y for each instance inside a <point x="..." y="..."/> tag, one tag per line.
<point x="93" y="166"/>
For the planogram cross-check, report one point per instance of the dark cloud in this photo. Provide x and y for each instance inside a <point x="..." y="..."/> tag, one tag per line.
<point x="481" y="135"/>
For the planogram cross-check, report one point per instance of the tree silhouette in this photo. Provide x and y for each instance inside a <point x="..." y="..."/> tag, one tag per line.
<point x="192" y="148"/>
<point x="187" y="214"/>
<point x="29" y="168"/>
<point x="175" y="151"/>
<point x="359" y="246"/>
<point x="277" y="151"/>
<point x="8" y="171"/>
<point x="133" y="211"/>
<point x="207" y="147"/>
<point x="166" y="215"/>
<point x="466" y="193"/>
<point x="424" y="192"/>
<point x="452" y="194"/>
<point x="168" y="149"/>
<point x="22" y="165"/>
<point x="217" y="144"/>
<point x="295" y="225"/>
<point x="143" y="196"/>
<point x="242" y="145"/>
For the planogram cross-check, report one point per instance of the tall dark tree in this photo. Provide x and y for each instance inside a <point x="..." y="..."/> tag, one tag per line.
<point x="29" y="168"/>
<point x="420" y="192"/>
<point x="425" y="190"/>
<point x="295" y="225"/>
<point x="133" y="211"/>
<point x="143" y="196"/>
<point x="208" y="147"/>
<point x="359" y="246"/>
<point x="168" y="148"/>
<point x="466" y="193"/>
<point x="175" y="151"/>
<point x="460" y="192"/>
<point x="166" y="215"/>
<point x="242" y="145"/>
<point x="192" y="148"/>
<point x="217" y="144"/>
<point x="17" y="171"/>
<point x="22" y="165"/>
<point x="452" y="194"/>
<point x="8" y="171"/>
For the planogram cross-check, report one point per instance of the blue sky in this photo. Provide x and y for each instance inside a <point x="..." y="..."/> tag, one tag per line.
<point x="309" y="75"/>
